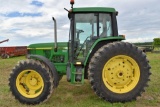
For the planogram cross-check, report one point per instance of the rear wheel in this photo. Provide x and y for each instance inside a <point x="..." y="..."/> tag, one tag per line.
<point x="31" y="82"/>
<point x="119" y="72"/>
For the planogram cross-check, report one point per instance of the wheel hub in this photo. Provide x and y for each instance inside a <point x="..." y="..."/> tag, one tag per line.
<point x="33" y="81"/>
<point x="121" y="74"/>
<point x="30" y="83"/>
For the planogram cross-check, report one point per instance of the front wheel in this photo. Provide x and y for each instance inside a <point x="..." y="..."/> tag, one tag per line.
<point x="119" y="72"/>
<point x="31" y="82"/>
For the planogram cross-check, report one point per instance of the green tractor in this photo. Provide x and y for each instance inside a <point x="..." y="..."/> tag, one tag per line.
<point x="117" y="71"/>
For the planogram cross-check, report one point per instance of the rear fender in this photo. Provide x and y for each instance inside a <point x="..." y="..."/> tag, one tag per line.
<point x="114" y="38"/>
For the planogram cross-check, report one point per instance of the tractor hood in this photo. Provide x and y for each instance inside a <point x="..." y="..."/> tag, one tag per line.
<point x="61" y="45"/>
<point x="47" y="50"/>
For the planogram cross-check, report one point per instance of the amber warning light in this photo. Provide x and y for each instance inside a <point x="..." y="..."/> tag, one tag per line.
<point x="72" y="2"/>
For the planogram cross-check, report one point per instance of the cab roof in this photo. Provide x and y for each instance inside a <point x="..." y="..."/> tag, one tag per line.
<point x="93" y="9"/>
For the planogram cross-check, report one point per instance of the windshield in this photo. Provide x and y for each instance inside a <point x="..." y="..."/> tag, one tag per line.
<point x="85" y="26"/>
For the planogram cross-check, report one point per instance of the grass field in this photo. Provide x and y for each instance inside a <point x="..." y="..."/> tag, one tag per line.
<point x="67" y="95"/>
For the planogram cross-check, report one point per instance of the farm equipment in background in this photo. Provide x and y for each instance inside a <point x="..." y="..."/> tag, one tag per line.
<point x="117" y="71"/>
<point x="4" y="41"/>
<point x="7" y="52"/>
<point x="145" y="46"/>
<point x="11" y="51"/>
<point x="149" y="46"/>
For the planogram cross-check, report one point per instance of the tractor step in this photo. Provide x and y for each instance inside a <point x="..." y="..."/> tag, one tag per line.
<point x="77" y="75"/>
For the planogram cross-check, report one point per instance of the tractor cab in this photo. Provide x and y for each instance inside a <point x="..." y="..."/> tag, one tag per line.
<point x="90" y="29"/>
<point x="90" y="26"/>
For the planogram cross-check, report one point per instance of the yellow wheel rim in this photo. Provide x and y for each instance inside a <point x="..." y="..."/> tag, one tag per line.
<point x="29" y="83"/>
<point x="121" y="74"/>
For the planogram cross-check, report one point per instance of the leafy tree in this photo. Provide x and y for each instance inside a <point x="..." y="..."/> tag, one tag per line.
<point x="156" y="42"/>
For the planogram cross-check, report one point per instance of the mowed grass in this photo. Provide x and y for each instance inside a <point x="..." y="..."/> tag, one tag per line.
<point x="68" y="95"/>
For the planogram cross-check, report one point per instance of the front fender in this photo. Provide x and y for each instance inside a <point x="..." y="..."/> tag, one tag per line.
<point x="50" y="65"/>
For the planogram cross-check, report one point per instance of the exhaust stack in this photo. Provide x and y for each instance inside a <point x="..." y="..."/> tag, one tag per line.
<point x="55" y="35"/>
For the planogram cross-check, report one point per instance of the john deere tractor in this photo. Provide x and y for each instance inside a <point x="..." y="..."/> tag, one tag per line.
<point x="117" y="71"/>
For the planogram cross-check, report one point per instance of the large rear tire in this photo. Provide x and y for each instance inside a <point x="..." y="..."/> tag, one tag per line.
<point x="31" y="82"/>
<point x="119" y="72"/>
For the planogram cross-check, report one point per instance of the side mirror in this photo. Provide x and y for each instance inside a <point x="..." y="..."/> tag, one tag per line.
<point x="116" y="13"/>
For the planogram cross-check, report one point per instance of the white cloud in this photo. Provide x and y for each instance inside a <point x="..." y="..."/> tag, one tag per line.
<point x="66" y="26"/>
<point x="7" y="6"/>
<point x="135" y="40"/>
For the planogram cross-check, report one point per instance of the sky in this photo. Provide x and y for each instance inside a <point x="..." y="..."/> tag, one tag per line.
<point x="25" y="22"/>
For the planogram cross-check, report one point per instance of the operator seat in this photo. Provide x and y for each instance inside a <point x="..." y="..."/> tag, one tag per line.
<point x="104" y="32"/>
